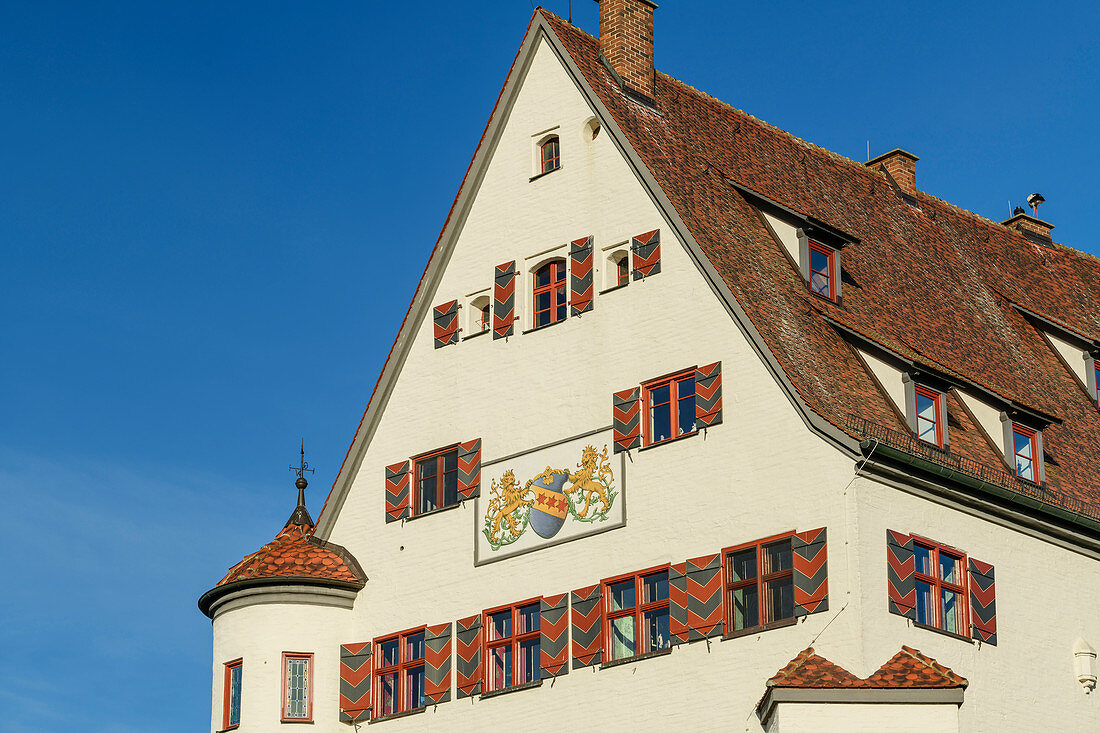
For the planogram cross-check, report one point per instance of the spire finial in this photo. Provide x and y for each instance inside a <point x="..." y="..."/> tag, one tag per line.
<point x="301" y="515"/>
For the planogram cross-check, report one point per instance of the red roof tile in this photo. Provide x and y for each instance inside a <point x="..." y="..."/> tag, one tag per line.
<point x="908" y="668"/>
<point x="810" y="670"/>
<point x="295" y="553"/>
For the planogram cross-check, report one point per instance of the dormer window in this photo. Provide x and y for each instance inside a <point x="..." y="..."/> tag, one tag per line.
<point x="926" y="412"/>
<point x="550" y="155"/>
<point x="822" y="270"/>
<point x="1025" y="448"/>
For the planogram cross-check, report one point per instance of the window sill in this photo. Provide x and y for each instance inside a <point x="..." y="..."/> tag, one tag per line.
<point x="544" y="173"/>
<point x="545" y="326"/>
<point x="760" y="629"/>
<point x="938" y="630"/>
<point x="297" y="720"/>
<point x="232" y="727"/>
<point x="613" y="288"/>
<point x="395" y="716"/>
<point x="692" y="434"/>
<point x="475" y="334"/>
<point x="513" y="688"/>
<point x="636" y="658"/>
<point x="433" y="512"/>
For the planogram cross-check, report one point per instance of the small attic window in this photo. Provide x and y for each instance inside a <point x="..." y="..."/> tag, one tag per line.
<point x="1025" y="447"/>
<point x="550" y="155"/>
<point x="822" y="266"/>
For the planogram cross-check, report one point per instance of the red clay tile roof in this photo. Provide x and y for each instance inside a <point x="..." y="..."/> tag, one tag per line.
<point x="295" y="553"/>
<point x="908" y="668"/>
<point x="932" y="280"/>
<point x="810" y="670"/>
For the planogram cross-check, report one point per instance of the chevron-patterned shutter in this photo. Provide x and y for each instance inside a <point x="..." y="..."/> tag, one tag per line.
<point x="677" y="603"/>
<point x="901" y="571"/>
<point x="554" y="645"/>
<point x="397" y="491"/>
<point x="580" y="275"/>
<point x="983" y="602"/>
<point x="708" y="395"/>
<point x="704" y="597"/>
<point x="437" y="664"/>
<point x="468" y="656"/>
<point x="626" y="419"/>
<point x="811" y="572"/>
<point x="504" y="300"/>
<point x="469" y="469"/>
<point x="647" y="254"/>
<point x="587" y="627"/>
<point x="355" y="681"/>
<point x="446" y="324"/>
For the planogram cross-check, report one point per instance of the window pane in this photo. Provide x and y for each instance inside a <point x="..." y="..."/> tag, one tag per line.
<point x="743" y="565"/>
<point x="426" y="468"/>
<point x="414" y="647"/>
<point x="624" y="270"/>
<point x="388" y="653"/>
<point x="660" y="426"/>
<point x="527" y="618"/>
<point x="542" y="301"/>
<point x="779" y="596"/>
<point x="450" y="488"/>
<point x="622" y="637"/>
<point x="1024" y="468"/>
<point x="656" y="630"/>
<point x="777" y="557"/>
<point x="655" y="587"/>
<point x="819" y="283"/>
<point x="922" y="556"/>
<point x="622" y="595"/>
<point x="685" y="414"/>
<point x="542" y="275"/>
<point x="427" y="494"/>
<point x="388" y="694"/>
<point x="950" y="611"/>
<point x="819" y="261"/>
<point x="559" y="266"/>
<point x="924" y="603"/>
<point x="500" y="667"/>
<point x="1023" y="444"/>
<point x="414" y="688"/>
<point x="949" y="569"/>
<point x="450" y="460"/>
<point x="500" y="625"/>
<point x="746" y="610"/>
<point x="296" y="680"/>
<point x="529" y="666"/>
<point x="235" y="695"/>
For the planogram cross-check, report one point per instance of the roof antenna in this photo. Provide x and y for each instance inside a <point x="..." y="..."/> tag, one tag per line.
<point x="570" y="12"/>
<point x="868" y="150"/>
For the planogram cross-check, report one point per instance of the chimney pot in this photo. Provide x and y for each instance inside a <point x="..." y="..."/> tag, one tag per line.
<point x="901" y="165"/>
<point x="626" y="41"/>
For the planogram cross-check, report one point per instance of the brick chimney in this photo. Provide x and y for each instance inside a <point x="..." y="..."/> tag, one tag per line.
<point x="1029" y="225"/>
<point x="626" y="41"/>
<point x="902" y="167"/>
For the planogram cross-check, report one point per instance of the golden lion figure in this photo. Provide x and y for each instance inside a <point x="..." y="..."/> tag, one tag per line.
<point x="592" y="480"/>
<point x="507" y="497"/>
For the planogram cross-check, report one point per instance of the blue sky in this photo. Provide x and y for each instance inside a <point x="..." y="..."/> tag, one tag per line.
<point x="213" y="216"/>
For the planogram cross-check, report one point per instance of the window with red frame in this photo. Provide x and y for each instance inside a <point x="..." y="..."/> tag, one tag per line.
<point x="512" y="641"/>
<point x="436" y="480"/>
<point x="297" y="686"/>
<point x="638" y="602"/>
<point x="929" y="405"/>
<point x="822" y="271"/>
<point x="550" y="155"/>
<point x="622" y="270"/>
<point x="941" y="593"/>
<point x="231" y="697"/>
<point x="483" y="318"/>
<point x="399" y="673"/>
<point x="1025" y="445"/>
<point x="670" y="407"/>
<point x="759" y="584"/>
<point x="549" y="293"/>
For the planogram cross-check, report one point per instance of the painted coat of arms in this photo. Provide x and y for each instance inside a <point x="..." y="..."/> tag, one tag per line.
<point x="546" y="501"/>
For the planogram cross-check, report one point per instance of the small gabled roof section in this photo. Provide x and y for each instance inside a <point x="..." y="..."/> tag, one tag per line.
<point x="812" y="670"/>
<point x="910" y="668"/>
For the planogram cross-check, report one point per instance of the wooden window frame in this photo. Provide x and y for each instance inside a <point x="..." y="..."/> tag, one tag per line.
<point x="485" y="319"/>
<point x="237" y="663"/>
<point x="438" y="456"/>
<point x="959" y="589"/>
<point x="937" y="398"/>
<point x="673" y="381"/>
<point x="553" y="163"/>
<point x="555" y="287"/>
<point x="638" y="612"/>
<point x="622" y="270"/>
<point x="402" y="668"/>
<point x="1033" y="438"/>
<point x="308" y="717"/>
<point x="830" y="255"/>
<point x="760" y="581"/>
<point x="513" y="640"/>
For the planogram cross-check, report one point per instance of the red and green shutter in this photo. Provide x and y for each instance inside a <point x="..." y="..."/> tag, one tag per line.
<point x="355" y="682"/>
<point x="554" y="644"/>
<point x="647" y="254"/>
<point x="580" y="275"/>
<point x="983" y="602"/>
<point x="446" y="324"/>
<point x="397" y="491"/>
<point x="811" y="572"/>
<point x="708" y="395"/>
<point x="677" y="603"/>
<point x="703" y="587"/>
<point x="468" y="652"/>
<point x="504" y="300"/>
<point x="437" y="664"/>
<point x="469" y="469"/>
<point x="587" y="627"/>
<point x="626" y="422"/>
<point x="901" y="569"/>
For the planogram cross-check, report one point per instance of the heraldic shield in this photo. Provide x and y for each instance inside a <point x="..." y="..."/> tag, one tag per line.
<point x="551" y="506"/>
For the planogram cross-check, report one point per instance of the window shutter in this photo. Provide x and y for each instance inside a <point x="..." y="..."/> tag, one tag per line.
<point x="811" y="572"/>
<point x="554" y="644"/>
<point x="397" y="491"/>
<point x="647" y="254"/>
<point x="437" y="663"/>
<point x="446" y="324"/>
<point x="587" y="627"/>
<point x="901" y="570"/>
<point x="580" y="275"/>
<point x="468" y="664"/>
<point x="469" y="469"/>
<point x="626" y="423"/>
<point x="677" y="603"/>
<point x="504" y="300"/>
<point x="355" y="681"/>
<point x="708" y="395"/>
<point x="704" y="597"/>
<point x="983" y="602"/>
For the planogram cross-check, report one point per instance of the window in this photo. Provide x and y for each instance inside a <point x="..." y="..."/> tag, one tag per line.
<point x="399" y="673"/>
<point x="941" y="597"/>
<point x="822" y="271"/>
<point x="1025" y="446"/>
<point x="297" y="686"/>
<point x="670" y="407"/>
<point x="626" y="615"/>
<point x="929" y="414"/>
<point x="512" y="640"/>
<point x="231" y="697"/>
<point x="550" y="300"/>
<point x="622" y="270"/>
<point x="1096" y="382"/>
<point x="483" y="318"/>
<point x="550" y="155"/>
<point x="759" y="585"/>
<point x="436" y="480"/>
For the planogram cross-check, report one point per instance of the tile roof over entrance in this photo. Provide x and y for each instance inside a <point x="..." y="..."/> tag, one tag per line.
<point x="931" y="281"/>
<point x="906" y="669"/>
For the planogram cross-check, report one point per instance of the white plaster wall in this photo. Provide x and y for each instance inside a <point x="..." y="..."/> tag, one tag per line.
<point x="1074" y="358"/>
<point x="987" y="416"/>
<point x="889" y="376"/>
<point x="788" y="235"/>
<point x="793" y="717"/>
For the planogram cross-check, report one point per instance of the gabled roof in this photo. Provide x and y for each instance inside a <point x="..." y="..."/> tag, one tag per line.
<point x="906" y="669"/>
